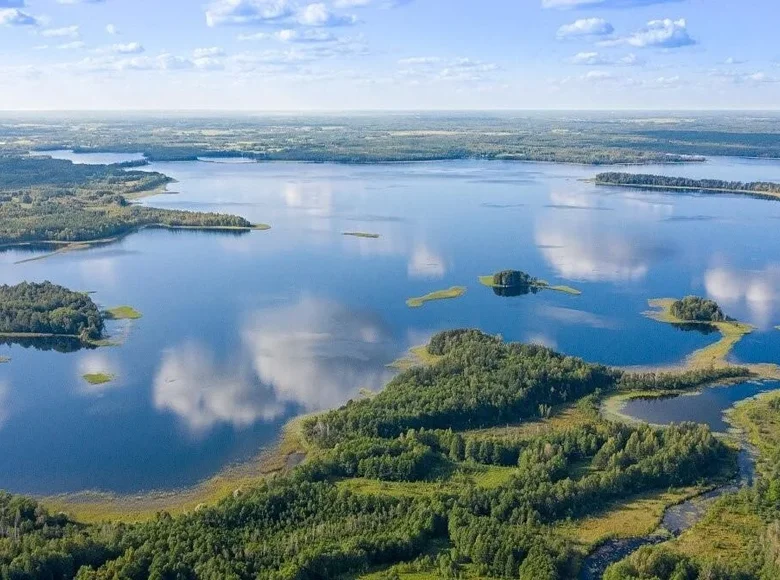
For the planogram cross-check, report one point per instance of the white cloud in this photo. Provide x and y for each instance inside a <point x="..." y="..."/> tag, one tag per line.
<point x="319" y="15"/>
<point x="80" y="1"/>
<point x="665" y="33"/>
<point x="69" y="31"/>
<point x="210" y="52"/>
<point x="129" y="48"/>
<point x="112" y="29"/>
<point x="598" y="59"/>
<point x="586" y="27"/>
<point x="16" y="17"/>
<point x="291" y="35"/>
<point x="223" y="12"/>
<point x="351" y="3"/>
<point x="76" y="44"/>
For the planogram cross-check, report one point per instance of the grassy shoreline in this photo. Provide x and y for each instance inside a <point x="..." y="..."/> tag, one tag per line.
<point x="122" y="313"/>
<point x="91" y="507"/>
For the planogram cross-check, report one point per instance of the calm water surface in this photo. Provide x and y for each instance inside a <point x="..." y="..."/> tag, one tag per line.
<point x="242" y="331"/>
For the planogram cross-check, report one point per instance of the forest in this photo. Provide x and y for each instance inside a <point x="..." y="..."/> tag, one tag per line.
<point x="312" y="523"/>
<point x="582" y="137"/>
<point x="46" y="308"/>
<point x="44" y="199"/>
<point x="769" y="189"/>
<point x="697" y="309"/>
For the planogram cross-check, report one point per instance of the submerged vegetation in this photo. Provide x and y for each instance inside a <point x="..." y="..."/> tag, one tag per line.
<point x="46" y="309"/>
<point x="757" y="188"/>
<point x="50" y="200"/>
<point x="448" y="294"/>
<point x="509" y="283"/>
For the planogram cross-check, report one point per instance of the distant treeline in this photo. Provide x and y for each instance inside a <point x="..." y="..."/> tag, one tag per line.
<point x="47" y="308"/>
<point x="661" y="181"/>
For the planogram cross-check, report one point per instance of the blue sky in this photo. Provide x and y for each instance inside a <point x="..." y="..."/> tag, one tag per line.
<point x="389" y="54"/>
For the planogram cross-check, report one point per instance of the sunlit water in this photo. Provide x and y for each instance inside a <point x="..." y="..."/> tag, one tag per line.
<point x="241" y="332"/>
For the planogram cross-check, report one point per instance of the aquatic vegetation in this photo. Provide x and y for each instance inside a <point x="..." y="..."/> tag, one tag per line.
<point x="448" y="294"/>
<point x="122" y="313"/>
<point x="98" y="378"/>
<point x="361" y="235"/>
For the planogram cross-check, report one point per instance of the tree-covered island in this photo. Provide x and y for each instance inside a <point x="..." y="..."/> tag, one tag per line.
<point x="517" y="283"/>
<point x="756" y="188"/>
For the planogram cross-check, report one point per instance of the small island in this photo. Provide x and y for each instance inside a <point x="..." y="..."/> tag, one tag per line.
<point x="45" y="310"/>
<point x="361" y="235"/>
<point x="763" y="189"/>
<point x="509" y="283"/>
<point x="122" y="313"/>
<point x="696" y="311"/>
<point x="448" y="294"/>
<point x="97" y="379"/>
<point x="5" y="359"/>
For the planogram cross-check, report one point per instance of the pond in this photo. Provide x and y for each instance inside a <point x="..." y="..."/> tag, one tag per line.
<point x="241" y="332"/>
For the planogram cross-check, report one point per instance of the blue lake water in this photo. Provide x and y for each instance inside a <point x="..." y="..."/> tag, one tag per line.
<point x="243" y="331"/>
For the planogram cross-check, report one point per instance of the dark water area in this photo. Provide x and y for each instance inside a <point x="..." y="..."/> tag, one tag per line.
<point x="242" y="332"/>
<point x="706" y="407"/>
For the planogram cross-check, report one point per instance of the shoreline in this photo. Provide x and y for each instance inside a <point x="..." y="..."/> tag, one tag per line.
<point x="747" y="192"/>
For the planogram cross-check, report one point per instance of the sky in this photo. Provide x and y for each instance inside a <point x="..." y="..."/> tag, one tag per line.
<point x="303" y="55"/>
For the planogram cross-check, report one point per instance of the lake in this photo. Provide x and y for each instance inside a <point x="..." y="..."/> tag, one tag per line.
<point x="241" y="332"/>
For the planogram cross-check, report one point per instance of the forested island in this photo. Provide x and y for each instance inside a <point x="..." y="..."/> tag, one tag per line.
<point x="488" y="463"/>
<point x="757" y="188"/>
<point x="510" y="283"/>
<point x="46" y="309"/>
<point x="697" y="309"/>
<point x="51" y="200"/>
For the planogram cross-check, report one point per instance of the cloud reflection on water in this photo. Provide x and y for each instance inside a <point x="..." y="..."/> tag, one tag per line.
<point x="311" y="355"/>
<point x="758" y="290"/>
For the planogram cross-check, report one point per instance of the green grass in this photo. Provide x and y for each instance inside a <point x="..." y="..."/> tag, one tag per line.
<point x="122" y="313"/>
<point x="361" y="235"/>
<point x="98" y="378"/>
<point x="540" y="285"/>
<point x="448" y="294"/>
<point x="416" y="356"/>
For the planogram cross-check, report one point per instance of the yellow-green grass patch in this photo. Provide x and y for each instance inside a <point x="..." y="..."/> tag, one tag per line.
<point x="415" y="356"/>
<point x="448" y="294"/>
<point x="122" y="313"/>
<point x="630" y="518"/>
<point x="98" y="378"/>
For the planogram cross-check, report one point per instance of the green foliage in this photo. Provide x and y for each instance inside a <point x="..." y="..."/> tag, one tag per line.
<point x="513" y="278"/>
<point x="480" y="382"/>
<point x="46" y="199"/>
<point x="697" y="309"/>
<point x="681" y="381"/>
<point x="711" y="185"/>
<point x="46" y="308"/>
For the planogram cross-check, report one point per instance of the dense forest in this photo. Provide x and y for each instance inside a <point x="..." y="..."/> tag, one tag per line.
<point x="30" y="308"/>
<point x="513" y="279"/>
<point x="44" y="199"/>
<point x="712" y="185"/>
<point x="697" y="309"/>
<point x="311" y="524"/>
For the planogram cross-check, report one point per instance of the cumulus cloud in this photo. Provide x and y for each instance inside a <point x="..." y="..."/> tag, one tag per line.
<point x="319" y="15"/>
<point x="293" y="35"/>
<point x="129" y="48"/>
<point x="16" y="17"/>
<point x="211" y="52"/>
<point x="666" y="33"/>
<point x="597" y="59"/>
<point x="586" y="27"/>
<point x="222" y="12"/>
<point x="112" y="29"/>
<point x="66" y="31"/>
<point x="76" y="44"/>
